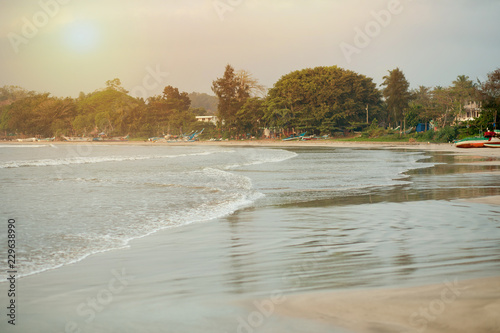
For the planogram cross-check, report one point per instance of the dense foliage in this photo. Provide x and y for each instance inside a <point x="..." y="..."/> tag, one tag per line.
<point x="321" y="100"/>
<point x="489" y="92"/>
<point x="110" y="111"/>
<point x="397" y="95"/>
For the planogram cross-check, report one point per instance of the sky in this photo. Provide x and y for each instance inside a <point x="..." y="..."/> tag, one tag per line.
<point x="68" y="46"/>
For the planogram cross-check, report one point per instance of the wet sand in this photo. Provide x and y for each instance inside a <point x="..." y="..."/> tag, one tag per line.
<point x="491" y="200"/>
<point x="451" y="307"/>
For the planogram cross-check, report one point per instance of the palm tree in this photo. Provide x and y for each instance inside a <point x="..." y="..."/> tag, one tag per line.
<point x="396" y="94"/>
<point x="463" y="90"/>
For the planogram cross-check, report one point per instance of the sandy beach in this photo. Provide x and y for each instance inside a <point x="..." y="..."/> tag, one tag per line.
<point x="451" y="307"/>
<point x="145" y="273"/>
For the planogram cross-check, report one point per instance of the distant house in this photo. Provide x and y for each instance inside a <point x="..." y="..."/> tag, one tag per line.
<point x="207" y="119"/>
<point x="471" y="111"/>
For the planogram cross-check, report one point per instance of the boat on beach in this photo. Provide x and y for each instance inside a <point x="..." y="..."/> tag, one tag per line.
<point x="47" y="139"/>
<point x="314" y="137"/>
<point x="184" y="138"/>
<point x="113" y="139"/>
<point x="489" y="138"/>
<point x="76" y="139"/>
<point x="295" y="137"/>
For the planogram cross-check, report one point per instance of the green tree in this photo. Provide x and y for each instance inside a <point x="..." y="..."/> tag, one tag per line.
<point x="421" y="108"/>
<point x="37" y="115"/>
<point x="489" y="92"/>
<point x="463" y="90"/>
<point x="115" y="84"/>
<point x="53" y="116"/>
<point x="232" y="95"/>
<point x="249" y="117"/>
<point x="10" y="94"/>
<point x="321" y="99"/>
<point x="176" y="100"/>
<point x="168" y="113"/>
<point x="444" y="105"/>
<point x="110" y="110"/>
<point x="396" y="94"/>
<point x="21" y="117"/>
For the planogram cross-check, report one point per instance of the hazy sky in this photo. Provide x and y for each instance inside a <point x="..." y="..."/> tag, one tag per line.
<point x="68" y="46"/>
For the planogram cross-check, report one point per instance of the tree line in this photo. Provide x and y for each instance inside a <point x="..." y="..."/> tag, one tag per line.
<point x="441" y="105"/>
<point x="321" y="100"/>
<point x="326" y="100"/>
<point x="111" y="111"/>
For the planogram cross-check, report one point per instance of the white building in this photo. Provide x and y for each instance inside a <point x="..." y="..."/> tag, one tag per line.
<point x="207" y="119"/>
<point x="471" y="111"/>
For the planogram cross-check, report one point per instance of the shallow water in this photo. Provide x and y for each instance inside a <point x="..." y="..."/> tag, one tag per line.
<point x="78" y="200"/>
<point x="204" y="230"/>
<point x="73" y="201"/>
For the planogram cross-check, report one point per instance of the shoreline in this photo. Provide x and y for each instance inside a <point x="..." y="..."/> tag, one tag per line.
<point x="446" y="147"/>
<point x="491" y="155"/>
<point x="380" y="309"/>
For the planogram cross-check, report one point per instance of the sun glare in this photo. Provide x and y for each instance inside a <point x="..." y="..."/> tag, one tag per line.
<point x="81" y="37"/>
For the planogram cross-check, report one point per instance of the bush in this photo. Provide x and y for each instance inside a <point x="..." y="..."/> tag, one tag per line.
<point x="464" y="132"/>
<point x="428" y="135"/>
<point x="374" y="131"/>
<point x="447" y="134"/>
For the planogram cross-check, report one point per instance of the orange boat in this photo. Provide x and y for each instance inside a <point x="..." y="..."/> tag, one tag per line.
<point x="490" y="138"/>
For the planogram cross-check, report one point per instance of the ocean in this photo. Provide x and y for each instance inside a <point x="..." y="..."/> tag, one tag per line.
<point x="243" y="222"/>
